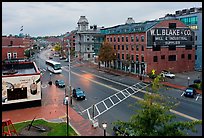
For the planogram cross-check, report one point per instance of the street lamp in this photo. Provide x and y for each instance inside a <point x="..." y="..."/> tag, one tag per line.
<point x="104" y="127"/>
<point x="188" y="80"/>
<point x="50" y="82"/>
<point x="66" y="102"/>
<point x="69" y="49"/>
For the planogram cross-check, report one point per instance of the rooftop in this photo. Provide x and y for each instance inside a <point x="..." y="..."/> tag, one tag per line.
<point x="15" y="69"/>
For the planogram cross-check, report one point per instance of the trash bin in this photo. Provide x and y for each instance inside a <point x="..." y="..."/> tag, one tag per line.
<point x="50" y="83"/>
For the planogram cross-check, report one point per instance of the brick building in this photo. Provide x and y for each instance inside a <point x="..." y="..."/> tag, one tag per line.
<point x="14" y="47"/>
<point x="159" y="44"/>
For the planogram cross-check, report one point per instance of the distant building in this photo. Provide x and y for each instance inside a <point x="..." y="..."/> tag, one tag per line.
<point x="14" y="47"/>
<point x="86" y="39"/>
<point x="21" y="84"/>
<point x="193" y="19"/>
<point x="158" y="44"/>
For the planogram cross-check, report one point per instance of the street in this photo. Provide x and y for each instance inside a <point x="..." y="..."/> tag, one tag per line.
<point x="107" y="92"/>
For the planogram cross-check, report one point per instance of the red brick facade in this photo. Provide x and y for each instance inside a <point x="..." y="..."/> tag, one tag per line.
<point x="15" y="46"/>
<point x="184" y="61"/>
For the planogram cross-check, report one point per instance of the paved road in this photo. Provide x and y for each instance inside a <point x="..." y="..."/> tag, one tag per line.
<point x="99" y="85"/>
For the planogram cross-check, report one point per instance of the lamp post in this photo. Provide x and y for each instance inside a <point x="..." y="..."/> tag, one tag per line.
<point x="66" y="102"/>
<point x="188" y="80"/>
<point x="104" y="127"/>
<point x="50" y="82"/>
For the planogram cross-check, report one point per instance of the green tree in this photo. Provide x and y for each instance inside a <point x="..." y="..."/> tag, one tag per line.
<point x="106" y="54"/>
<point x="57" y="47"/>
<point x="127" y="62"/>
<point x="154" y="118"/>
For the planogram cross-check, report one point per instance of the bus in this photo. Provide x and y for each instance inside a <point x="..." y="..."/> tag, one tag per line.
<point x="53" y="66"/>
<point x="21" y="85"/>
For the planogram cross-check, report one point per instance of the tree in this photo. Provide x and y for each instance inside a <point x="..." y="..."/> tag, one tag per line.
<point x="106" y="54"/>
<point x="57" y="47"/>
<point x="154" y="119"/>
<point x="127" y="62"/>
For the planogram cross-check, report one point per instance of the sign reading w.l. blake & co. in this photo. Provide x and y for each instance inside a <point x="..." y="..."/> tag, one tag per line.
<point x="166" y="36"/>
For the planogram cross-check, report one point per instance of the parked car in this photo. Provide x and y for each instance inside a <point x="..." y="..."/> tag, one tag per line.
<point x="197" y="81"/>
<point x="168" y="74"/>
<point x="190" y="92"/>
<point x="66" y="60"/>
<point x="50" y="57"/>
<point x="79" y="94"/>
<point x="61" y="58"/>
<point x="60" y="83"/>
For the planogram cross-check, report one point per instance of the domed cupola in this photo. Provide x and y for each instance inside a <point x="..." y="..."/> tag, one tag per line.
<point x="82" y="23"/>
<point x="130" y="20"/>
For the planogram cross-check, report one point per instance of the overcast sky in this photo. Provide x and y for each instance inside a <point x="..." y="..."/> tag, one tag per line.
<point x="56" y="18"/>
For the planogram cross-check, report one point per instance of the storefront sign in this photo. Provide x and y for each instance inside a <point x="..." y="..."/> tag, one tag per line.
<point x="166" y="36"/>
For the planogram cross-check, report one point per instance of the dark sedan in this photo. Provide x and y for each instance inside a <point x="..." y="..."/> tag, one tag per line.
<point x="79" y="94"/>
<point x="60" y="83"/>
<point x="190" y="92"/>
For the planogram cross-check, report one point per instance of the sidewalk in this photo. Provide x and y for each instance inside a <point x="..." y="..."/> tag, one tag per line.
<point x="146" y="79"/>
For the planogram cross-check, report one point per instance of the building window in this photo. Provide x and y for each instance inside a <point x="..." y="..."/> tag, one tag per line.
<point x="122" y="47"/>
<point x="126" y="47"/>
<point x="172" y="57"/>
<point x="132" y="57"/>
<point x="193" y="27"/>
<point x="142" y="38"/>
<point x="155" y="59"/>
<point x="122" y="38"/>
<point x="189" y="56"/>
<point x="92" y="48"/>
<point x="111" y="39"/>
<point x="182" y="55"/>
<point x="162" y="56"/>
<point x="88" y="48"/>
<point x="118" y="55"/>
<point x="127" y="57"/>
<point x="142" y="48"/>
<point x="115" y="47"/>
<point x="195" y="47"/>
<point x="142" y="58"/>
<point x="137" y="57"/>
<point x="132" y="47"/>
<point x="172" y="25"/>
<point x="9" y="55"/>
<point x="118" y="39"/>
<point x="195" y="57"/>
<point x="73" y="36"/>
<point x="188" y="47"/>
<point x="14" y="55"/>
<point x="156" y="47"/>
<point x="132" y="38"/>
<point x="11" y="43"/>
<point x="137" y="48"/>
<point x="172" y="47"/>
<point x="108" y="39"/>
<point x="190" y="20"/>
<point x="114" y="39"/>
<point x="196" y="37"/>
<point x="126" y="38"/>
<point x="122" y="56"/>
<point x="118" y="47"/>
<point x="137" y="38"/>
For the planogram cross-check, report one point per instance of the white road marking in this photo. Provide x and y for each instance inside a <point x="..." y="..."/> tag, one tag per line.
<point x="173" y="111"/>
<point x="182" y="94"/>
